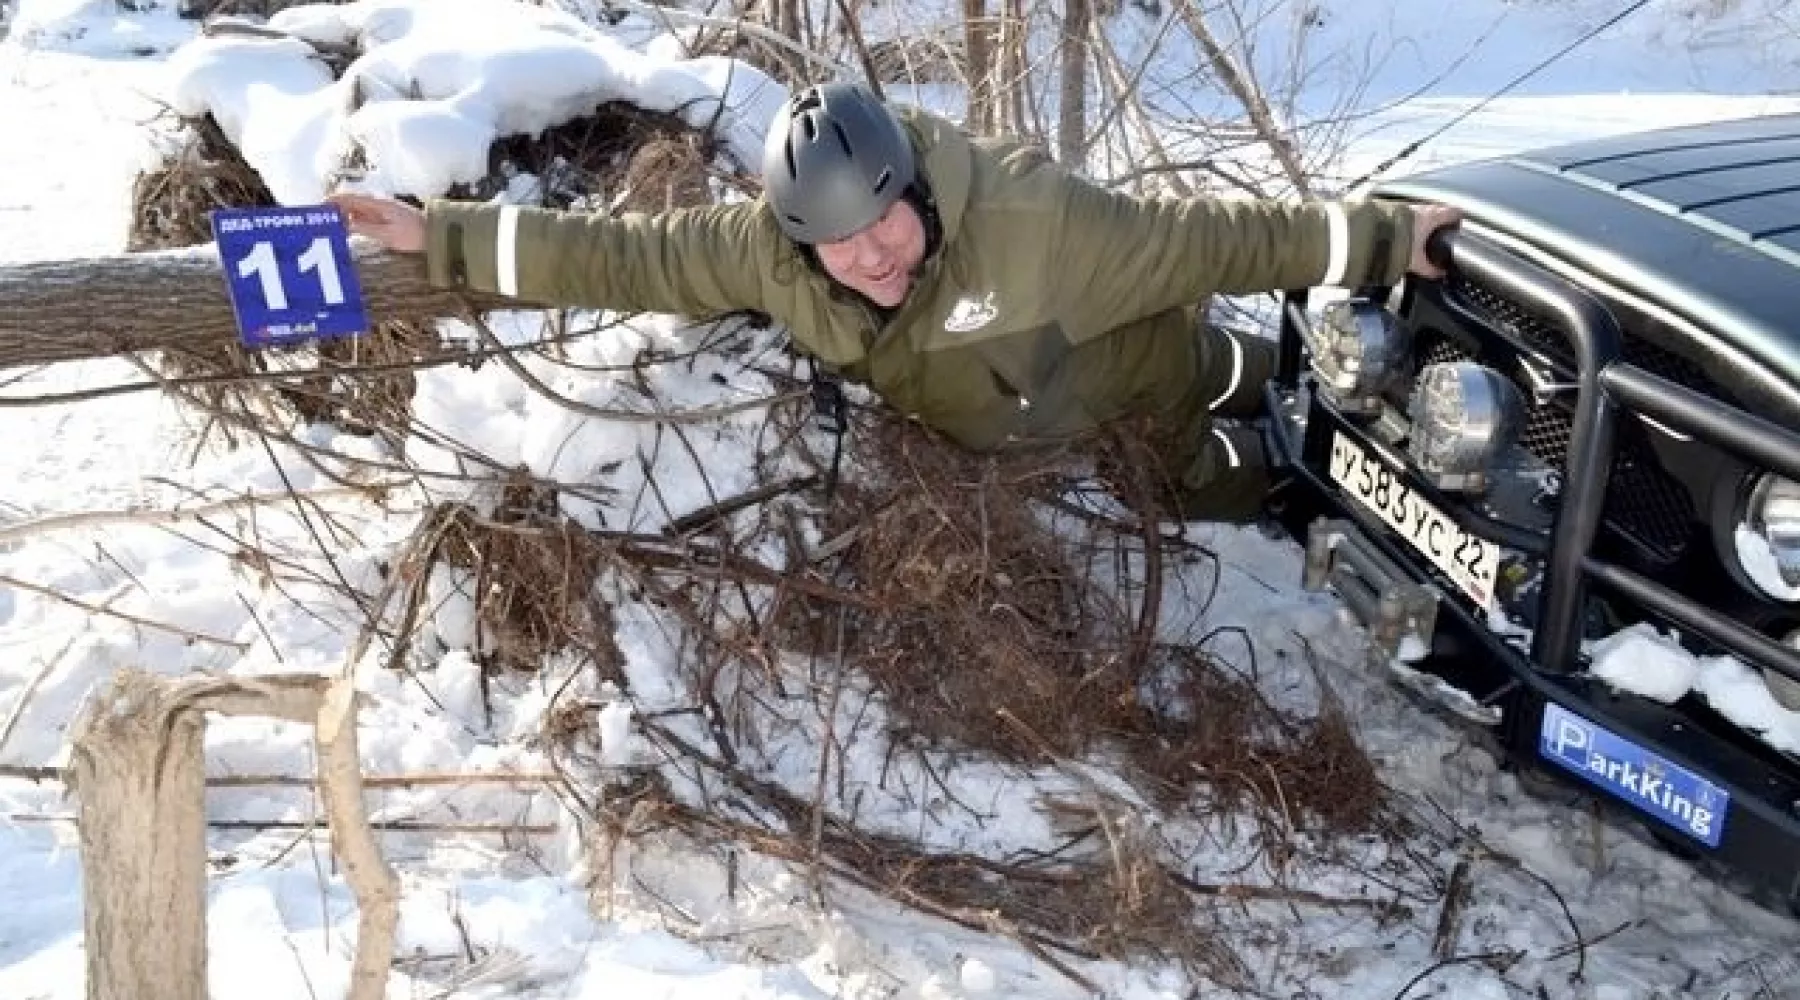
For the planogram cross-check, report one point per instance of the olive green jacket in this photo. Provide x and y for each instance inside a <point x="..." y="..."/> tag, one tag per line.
<point x="1051" y="305"/>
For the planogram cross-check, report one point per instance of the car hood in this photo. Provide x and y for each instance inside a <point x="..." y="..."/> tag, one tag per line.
<point x="1703" y="220"/>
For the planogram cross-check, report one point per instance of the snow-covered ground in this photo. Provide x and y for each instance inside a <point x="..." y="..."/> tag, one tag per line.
<point x="492" y="914"/>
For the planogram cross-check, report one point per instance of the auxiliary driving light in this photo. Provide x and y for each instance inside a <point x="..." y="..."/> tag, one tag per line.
<point x="1463" y="414"/>
<point x="1358" y="350"/>
<point x="1773" y="514"/>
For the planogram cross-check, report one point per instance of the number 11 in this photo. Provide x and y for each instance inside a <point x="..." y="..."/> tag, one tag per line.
<point x="318" y="257"/>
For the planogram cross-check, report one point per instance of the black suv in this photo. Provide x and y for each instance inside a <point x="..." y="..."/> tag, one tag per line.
<point x="1589" y="423"/>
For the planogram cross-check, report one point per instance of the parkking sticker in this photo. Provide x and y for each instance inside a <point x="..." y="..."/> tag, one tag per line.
<point x="1666" y="790"/>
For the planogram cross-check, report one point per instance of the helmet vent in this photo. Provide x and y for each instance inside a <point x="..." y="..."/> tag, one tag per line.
<point x="810" y="125"/>
<point x="881" y="182"/>
<point x="843" y="138"/>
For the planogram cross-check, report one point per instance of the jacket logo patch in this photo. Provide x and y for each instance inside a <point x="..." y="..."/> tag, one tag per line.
<point x="971" y="313"/>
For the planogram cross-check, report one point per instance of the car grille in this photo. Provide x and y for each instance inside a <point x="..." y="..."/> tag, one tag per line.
<point x="1529" y="328"/>
<point x="1643" y="503"/>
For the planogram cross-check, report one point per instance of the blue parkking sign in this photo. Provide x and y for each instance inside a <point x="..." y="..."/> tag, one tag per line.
<point x="1666" y="790"/>
<point x="290" y="274"/>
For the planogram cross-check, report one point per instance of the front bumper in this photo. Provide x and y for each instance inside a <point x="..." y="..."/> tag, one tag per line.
<point x="1760" y="832"/>
<point x="1523" y="678"/>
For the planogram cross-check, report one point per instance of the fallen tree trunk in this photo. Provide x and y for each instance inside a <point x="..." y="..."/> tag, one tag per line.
<point x="70" y="310"/>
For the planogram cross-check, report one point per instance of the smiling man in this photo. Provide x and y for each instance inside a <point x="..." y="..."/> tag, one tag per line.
<point x="975" y="284"/>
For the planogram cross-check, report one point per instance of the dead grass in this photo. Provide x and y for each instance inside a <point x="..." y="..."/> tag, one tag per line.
<point x="620" y="158"/>
<point x="173" y="201"/>
<point x="534" y="577"/>
<point x="989" y="634"/>
<point x="979" y="608"/>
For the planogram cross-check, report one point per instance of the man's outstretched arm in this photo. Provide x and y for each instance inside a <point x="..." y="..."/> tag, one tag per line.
<point x="1134" y="257"/>
<point x="696" y="262"/>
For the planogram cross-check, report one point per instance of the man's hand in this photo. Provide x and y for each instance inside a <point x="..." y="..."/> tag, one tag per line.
<point x="1428" y="219"/>
<point x="394" y="224"/>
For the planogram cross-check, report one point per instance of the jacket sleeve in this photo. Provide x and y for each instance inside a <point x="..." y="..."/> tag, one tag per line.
<point x="1126" y="257"/>
<point x="694" y="261"/>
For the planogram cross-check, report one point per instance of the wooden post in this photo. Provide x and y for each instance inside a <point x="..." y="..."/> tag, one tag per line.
<point x="139" y="777"/>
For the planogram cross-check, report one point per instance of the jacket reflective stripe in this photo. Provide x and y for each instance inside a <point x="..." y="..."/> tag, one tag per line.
<point x="1338" y="228"/>
<point x="1232" y="460"/>
<point x="506" y="252"/>
<point x="1237" y="371"/>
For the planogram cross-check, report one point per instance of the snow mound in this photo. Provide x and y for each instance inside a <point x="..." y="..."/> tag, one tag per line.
<point x="427" y="88"/>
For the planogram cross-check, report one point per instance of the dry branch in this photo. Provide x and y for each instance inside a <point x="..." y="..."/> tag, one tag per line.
<point x="1125" y="90"/>
<point x="1456" y="898"/>
<point x="376" y="888"/>
<point x="1243" y="87"/>
<point x="99" y="609"/>
<point x="107" y="518"/>
<point x="676" y="16"/>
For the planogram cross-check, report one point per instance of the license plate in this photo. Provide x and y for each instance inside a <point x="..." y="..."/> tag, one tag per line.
<point x="1666" y="790"/>
<point x="1470" y="561"/>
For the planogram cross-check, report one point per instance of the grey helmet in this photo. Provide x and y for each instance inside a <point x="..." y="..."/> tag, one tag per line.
<point x="835" y="159"/>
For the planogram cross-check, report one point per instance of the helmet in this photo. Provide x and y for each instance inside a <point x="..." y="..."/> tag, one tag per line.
<point x="835" y="159"/>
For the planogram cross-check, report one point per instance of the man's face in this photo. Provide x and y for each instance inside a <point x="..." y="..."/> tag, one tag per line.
<point x="879" y="260"/>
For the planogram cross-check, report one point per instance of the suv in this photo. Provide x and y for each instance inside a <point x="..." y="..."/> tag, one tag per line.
<point x="1564" y="481"/>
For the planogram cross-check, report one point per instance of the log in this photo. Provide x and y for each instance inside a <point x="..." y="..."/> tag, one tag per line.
<point x="97" y="307"/>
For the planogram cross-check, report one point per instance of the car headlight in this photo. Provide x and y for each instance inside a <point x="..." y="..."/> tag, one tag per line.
<point x="1463" y="414"/>
<point x="1358" y="350"/>
<point x="1772" y="517"/>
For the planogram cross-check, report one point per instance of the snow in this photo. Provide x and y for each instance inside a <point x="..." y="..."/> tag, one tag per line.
<point x="428" y="95"/>
<point x="540" y="914"/>
<point x="1641" y="660"/>
<point x="977" y="977"/>
<point x="1646" y="662"/>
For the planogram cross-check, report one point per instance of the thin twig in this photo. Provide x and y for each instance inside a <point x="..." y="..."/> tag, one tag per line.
<point x="826" y="746"/>
<point x="386" y="826"/>
<point x="691" y="415"/>
<point x="97" y="609"/>
<point x="107" y="518"/>
<point x="1443" y="942"/>
<point x="1581" y="946"/>
<point x="18" y="709"/>
<point x="423" y="779"/>
<point x="658" y="12"/>
<point x="1483" y="957"/>
<point x="1272" y="893"/>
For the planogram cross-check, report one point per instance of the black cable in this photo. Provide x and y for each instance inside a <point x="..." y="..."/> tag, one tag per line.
<point x="1416" y="144"/>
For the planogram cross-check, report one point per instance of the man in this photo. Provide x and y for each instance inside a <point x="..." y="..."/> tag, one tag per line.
<point x="974" y="284"/>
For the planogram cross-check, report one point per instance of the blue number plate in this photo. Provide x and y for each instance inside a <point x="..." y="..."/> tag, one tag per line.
<point x="1666" y="790"/>
<point x="290" y="274"/>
